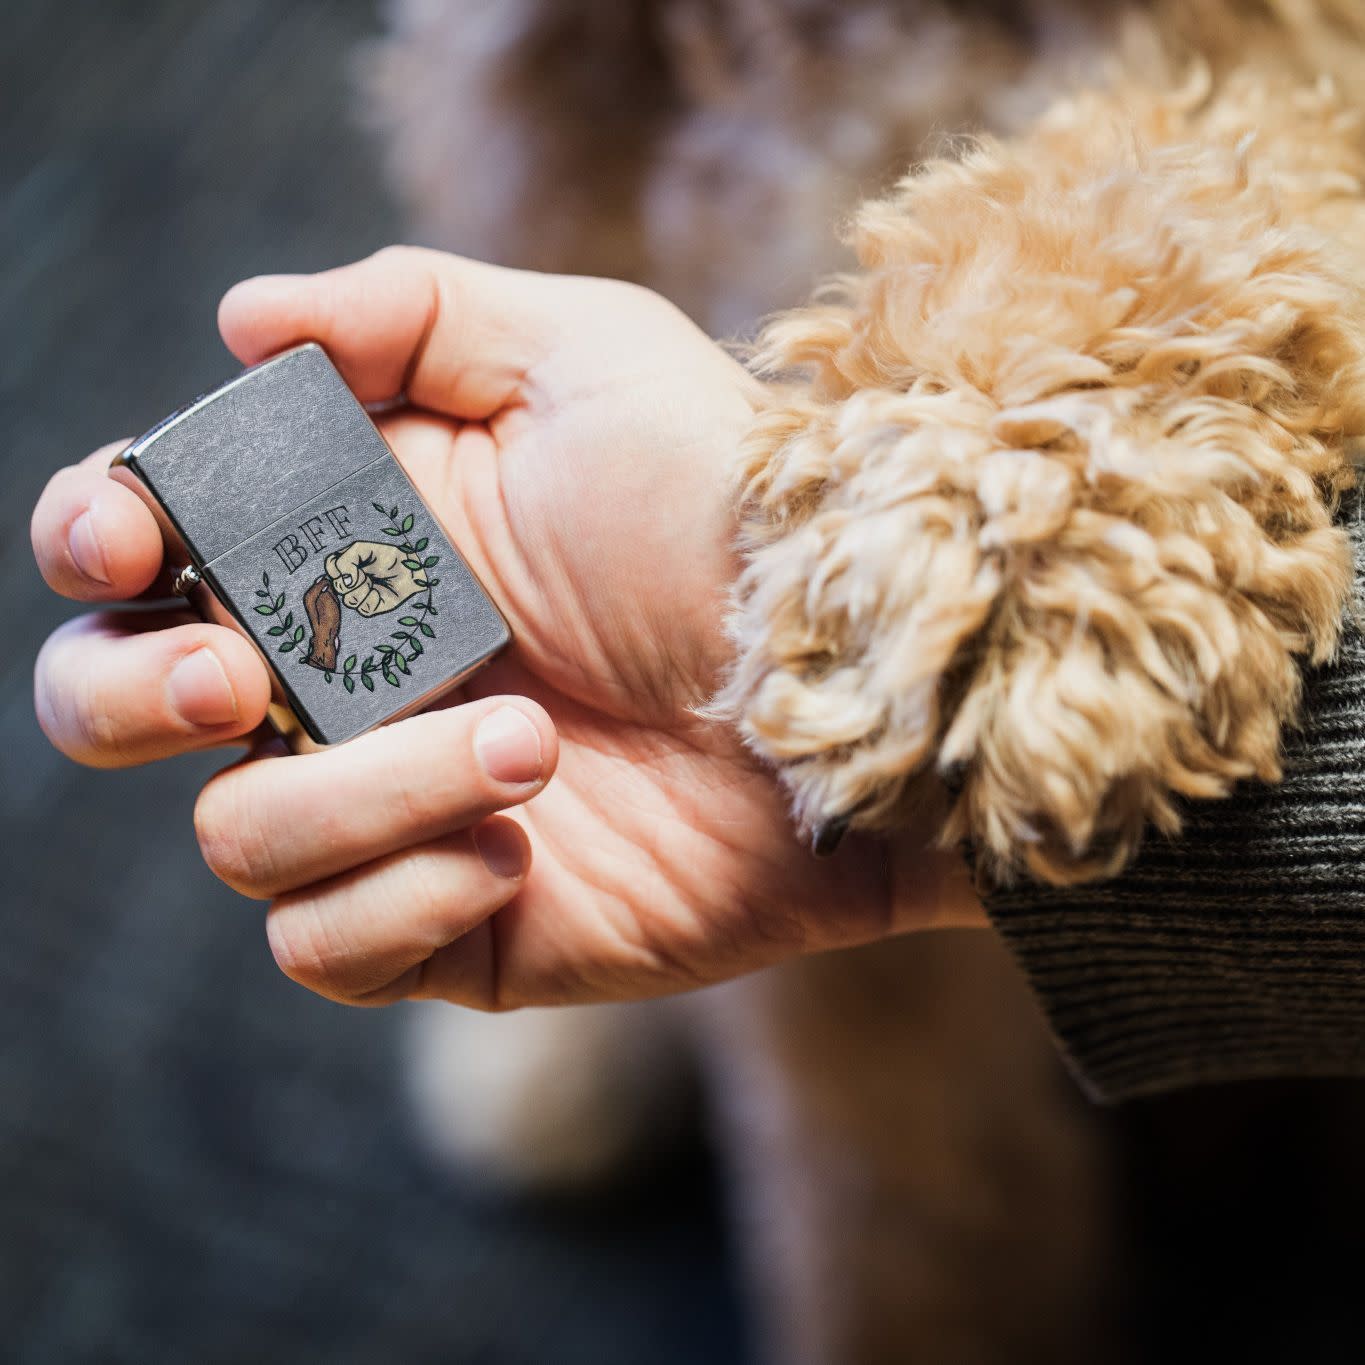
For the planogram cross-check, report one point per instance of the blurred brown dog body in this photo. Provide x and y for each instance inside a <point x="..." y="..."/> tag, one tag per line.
<point x="913" y="1176"/>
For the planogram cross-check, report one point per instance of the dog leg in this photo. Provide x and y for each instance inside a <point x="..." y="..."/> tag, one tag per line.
<point x="913" y="1180"/>
<point x="545" y="1100"/>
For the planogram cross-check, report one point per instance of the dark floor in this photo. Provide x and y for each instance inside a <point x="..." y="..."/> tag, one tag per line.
<point x="198" y="1161"/>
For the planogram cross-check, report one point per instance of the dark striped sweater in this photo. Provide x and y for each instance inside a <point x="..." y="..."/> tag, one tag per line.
<point x="1237" y="950"/>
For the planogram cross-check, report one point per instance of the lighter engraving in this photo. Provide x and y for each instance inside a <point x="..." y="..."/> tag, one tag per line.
<point x="370" y="578"/>
<point x="292" y="551"/>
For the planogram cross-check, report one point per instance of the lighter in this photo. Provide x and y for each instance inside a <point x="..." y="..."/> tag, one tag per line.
<point x="286" y="515"/>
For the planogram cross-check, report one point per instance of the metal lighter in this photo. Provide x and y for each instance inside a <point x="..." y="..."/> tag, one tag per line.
<point x="286" y="515"/>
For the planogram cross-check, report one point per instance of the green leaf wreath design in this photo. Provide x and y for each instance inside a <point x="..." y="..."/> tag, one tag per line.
<point x="273" y="606"/>
<point x="390" y="661"/>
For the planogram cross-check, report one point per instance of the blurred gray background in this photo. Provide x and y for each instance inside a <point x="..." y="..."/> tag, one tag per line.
<point x="199" y="1161"/>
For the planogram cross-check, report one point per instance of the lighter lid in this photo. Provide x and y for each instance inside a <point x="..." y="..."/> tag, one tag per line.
<point x="241" y="457"/>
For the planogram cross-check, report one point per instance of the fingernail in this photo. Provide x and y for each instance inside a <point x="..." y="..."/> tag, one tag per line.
<point x="501" y="848"/>
<point x="86" y="550"/>
<point x="199" y="689"/>
<point x="508" y="746"/>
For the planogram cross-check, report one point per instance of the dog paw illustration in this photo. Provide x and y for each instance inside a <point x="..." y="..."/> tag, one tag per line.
<point x="324" y="616"/>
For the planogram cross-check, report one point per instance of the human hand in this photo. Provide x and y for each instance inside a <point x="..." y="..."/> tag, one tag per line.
<point x="574" y="436"/>
<point x="372" y="578"/>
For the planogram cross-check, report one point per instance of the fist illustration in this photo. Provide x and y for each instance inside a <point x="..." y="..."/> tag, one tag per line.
<point x="372" y="578"/>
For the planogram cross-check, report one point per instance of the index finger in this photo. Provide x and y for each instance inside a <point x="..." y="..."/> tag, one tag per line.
<point x="94" y="539"/>
<point x="452" y="335"/>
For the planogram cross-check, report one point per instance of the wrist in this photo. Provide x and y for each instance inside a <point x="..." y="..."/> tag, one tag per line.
<point x="929" y="887"/>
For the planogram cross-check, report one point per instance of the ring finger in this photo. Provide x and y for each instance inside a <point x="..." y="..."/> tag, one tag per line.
<point x="94" y="539"/>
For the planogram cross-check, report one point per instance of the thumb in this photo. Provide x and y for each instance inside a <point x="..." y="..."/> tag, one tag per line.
<point x="452" y="335"/>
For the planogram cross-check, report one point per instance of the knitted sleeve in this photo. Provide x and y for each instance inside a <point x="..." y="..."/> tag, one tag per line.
<point x="1045" y="510"/>
<point x="1238" y="949"/>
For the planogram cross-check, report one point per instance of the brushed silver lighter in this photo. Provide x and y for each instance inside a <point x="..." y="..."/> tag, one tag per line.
<point x="287" y="516"/>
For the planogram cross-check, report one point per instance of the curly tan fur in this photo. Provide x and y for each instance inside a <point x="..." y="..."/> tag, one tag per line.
<point x="1144" y="285"/>
<point x="1050" y="513"/>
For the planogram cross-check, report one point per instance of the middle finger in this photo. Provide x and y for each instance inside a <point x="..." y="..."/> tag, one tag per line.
<point x="121" y="688"/>
<point x="94" y="539"/>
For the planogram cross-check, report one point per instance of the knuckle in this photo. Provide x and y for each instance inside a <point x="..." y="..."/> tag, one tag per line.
<point x="427" y="809"/>
<point x="448" y="795"/>
<point x="639" y="298"/>
<point x="415" y="804"/>
<point x="628" y="291"/>
<point x="437" y="885"/>
<point x="232" y="839"/>
<point x="428" y="893"/>
<point x="303" y="948"/>
<point x="86" y="727"/>
<point x="397" y="253"/>
<point x="312" y="949"/>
